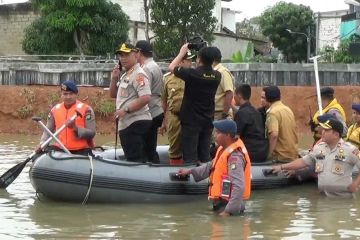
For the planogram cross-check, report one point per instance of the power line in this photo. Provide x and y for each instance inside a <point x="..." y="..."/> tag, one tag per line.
<point x="350" y="32"/>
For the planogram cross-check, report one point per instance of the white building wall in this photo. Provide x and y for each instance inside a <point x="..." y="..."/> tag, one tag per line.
<point x="135" y="10"/>
<point x="228" y="19"/>
<point x="328" y="28"/>
<point x="329" y="32"/>
<point x="229" y="45"/>
<point x="217" y="15"/>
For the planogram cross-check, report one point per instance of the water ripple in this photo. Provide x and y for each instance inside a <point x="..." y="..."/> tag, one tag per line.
<point x="296" y="212"/>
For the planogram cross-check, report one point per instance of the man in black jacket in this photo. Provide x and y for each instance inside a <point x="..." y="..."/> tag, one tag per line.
<point x="198" y="105"/>
<point x="250" y="125"/>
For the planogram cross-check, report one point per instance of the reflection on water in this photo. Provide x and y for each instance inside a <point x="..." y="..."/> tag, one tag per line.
<point x="296" y="212"/>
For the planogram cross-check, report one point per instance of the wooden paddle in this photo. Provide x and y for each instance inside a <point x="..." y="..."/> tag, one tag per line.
<point x="10" y="175"/>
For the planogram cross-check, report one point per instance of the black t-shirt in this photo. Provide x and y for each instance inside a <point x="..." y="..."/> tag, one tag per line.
<point x="251" y="130"/>
<point x="198" y="105"/>
<point x="262" y="111"/>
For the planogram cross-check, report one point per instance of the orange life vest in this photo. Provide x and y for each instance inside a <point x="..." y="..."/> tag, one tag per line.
<point x="68" y="136"/>
<point x="219" y="170"/>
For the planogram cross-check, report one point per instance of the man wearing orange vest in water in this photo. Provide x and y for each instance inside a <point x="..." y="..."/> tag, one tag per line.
<point x="229" y="172"/>
<point x="79" y="134"/>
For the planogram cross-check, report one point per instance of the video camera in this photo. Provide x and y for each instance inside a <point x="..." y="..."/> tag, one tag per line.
<point x="196" y="43"/>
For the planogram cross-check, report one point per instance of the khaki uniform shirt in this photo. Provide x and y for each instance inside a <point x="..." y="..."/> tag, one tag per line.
<point x="280" y="118"/>
<point x="173" y="92"/>
<point x="155" y="77"/>
<point x="334" y="167"/>
<point x="132" y="85"/>
<point x="226" y="84"/>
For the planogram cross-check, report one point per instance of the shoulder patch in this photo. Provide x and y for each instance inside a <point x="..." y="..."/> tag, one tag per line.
<point x="233" y="166"/>
<point x="234" y="157"/>
<point x="140" y="80"/>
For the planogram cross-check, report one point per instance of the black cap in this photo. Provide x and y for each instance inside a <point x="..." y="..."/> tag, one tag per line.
<point x="69" y="85"/>
<point x="334" y="125"/>
<point x="327" y="91"/>
<point x="272" y="93"/>
<point x="326" y="116"/>
<point x="144" y="46"/>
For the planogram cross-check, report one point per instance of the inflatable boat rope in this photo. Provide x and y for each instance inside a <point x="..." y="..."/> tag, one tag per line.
<point x="90" y="181"/>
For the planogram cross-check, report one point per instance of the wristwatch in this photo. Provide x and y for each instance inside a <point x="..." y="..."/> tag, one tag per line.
<point x="127" y="109"/>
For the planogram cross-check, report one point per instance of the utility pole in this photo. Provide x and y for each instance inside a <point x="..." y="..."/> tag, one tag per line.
<point x="308" y="40"/>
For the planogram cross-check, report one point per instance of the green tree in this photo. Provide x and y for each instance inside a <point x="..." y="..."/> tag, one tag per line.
<point x="249" y="28"/>
<point x="342" y="54"/>
<point x="298" y="18"/>
<point x="91" y="27"/>
<point x="175" y="21"/>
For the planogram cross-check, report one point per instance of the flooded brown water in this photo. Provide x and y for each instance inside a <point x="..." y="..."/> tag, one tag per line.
<point x="294" y="212"/>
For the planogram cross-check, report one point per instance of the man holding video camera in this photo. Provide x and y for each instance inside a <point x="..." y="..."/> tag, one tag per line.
<point x="198" y="106"/>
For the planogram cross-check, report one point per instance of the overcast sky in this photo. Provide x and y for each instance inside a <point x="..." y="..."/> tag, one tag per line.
<point x="254" y="8"/>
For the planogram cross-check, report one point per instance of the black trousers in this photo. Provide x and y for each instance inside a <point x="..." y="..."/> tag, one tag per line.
<point x="151" y="139"/>
<point x="196" y="143"/>
<point x="133" y="140"/>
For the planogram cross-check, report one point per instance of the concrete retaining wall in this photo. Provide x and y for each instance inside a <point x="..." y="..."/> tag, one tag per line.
<point x="98" y="74"/>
